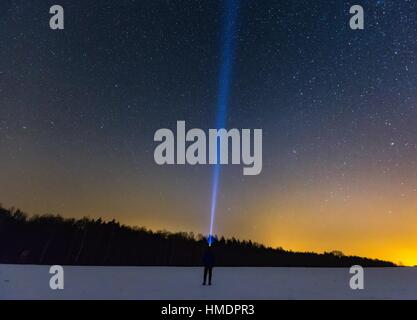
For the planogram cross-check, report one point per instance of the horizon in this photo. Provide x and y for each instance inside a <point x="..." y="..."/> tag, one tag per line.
<point x="196" y="236"/>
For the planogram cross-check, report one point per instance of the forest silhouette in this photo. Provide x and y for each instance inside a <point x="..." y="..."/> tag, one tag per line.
<point x="51" y="239"/>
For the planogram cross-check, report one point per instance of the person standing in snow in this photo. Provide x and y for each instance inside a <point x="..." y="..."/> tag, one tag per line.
<point x="208" y="262"/>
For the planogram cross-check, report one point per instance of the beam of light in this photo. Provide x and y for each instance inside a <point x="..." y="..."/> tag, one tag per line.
<point x="226" y="63"/>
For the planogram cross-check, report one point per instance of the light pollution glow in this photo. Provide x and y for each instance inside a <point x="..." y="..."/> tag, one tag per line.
<point x="364" y="216"/>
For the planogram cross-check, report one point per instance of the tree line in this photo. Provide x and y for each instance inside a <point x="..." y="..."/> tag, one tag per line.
<point x="52" y="239"/>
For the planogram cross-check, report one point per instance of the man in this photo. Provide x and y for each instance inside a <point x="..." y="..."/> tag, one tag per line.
<point x="208" y="262"/>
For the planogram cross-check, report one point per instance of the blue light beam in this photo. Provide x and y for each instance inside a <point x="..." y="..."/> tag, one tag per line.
<point x="227" y="56"/>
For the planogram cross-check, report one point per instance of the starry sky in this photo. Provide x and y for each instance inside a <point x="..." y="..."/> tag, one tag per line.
<point x="338" y="110"/>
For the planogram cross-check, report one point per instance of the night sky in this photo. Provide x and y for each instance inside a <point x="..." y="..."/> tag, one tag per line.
<point x="338" y="110"/>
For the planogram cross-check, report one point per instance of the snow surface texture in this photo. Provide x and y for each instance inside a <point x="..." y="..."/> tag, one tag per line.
<point x="32" y="282"/>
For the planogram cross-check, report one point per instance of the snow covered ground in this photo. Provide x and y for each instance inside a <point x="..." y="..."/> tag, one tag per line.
<point x="32" y="282"/>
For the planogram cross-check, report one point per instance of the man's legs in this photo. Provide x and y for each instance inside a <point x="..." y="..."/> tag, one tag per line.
<point x="210" y="270"/>
<point x="205" y="276"/>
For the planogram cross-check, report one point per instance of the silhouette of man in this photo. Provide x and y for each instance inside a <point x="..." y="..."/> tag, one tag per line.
<point x="208" y="262"/>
